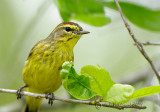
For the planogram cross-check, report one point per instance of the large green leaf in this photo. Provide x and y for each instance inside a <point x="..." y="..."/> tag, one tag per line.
<point x="99" y="79"/>
<point x="141" y="16"/>
<point x="96" y="81"/>
<point x="146" y="91"/>
<point x="119" y="94"/>
<point x="77" y="85"/>
<point x="94" y="19"/>
<point x="89" y="11"/>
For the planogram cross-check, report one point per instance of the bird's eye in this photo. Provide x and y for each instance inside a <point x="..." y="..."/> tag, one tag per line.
<point x="68" y="29"/>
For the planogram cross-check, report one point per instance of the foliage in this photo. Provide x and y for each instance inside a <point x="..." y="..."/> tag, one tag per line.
<point x="119" y="94"/>
<point x="77" y="85"/>
<point x="145" y="18"/>
<point x="88" y="11"/>
<point x="99" y="79"/>
<point x="92" y="12"/>
<point x="146" y="91"/>
<point x="95" y="80"/>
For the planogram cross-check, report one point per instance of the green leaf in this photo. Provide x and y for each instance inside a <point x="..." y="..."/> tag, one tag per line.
<point x="99" y="79"/>
<point x="77" y="85"/>
<point x="139" y="15"/>
<point x="95" y="20"/>
<point x="146" y="92"/>
<point x="119" y="94"/>
<point x="88" y="11"/>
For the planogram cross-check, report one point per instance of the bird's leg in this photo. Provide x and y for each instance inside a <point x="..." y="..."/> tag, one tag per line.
<point x="51" y="98"/>
<point x="18" y="93"/>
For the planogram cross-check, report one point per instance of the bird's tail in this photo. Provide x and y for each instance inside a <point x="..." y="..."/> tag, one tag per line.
<point x="32" y="103"/>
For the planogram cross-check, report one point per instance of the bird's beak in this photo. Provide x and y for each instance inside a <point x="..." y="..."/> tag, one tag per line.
<point x="82" y="32"/>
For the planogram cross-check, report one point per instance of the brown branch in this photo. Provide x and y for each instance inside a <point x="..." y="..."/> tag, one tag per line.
<point x="104" y="104"/>
<point x="151" y="43"/>
<point x="137" y="43"/>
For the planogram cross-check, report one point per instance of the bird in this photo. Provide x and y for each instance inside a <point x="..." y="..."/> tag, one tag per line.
<point x="41" y="72"/>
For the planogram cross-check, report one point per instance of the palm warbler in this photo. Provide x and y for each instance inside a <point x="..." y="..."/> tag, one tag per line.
<point x="41" y="73"/>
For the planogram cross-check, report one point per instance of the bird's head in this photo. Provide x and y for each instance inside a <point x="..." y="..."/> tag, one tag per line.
<point x="67" y="32"/>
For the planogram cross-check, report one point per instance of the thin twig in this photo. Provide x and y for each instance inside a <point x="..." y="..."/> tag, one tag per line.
<point x="151" y="43"/>
<point x="104" y="104"/>
<point x="138" y="44"/>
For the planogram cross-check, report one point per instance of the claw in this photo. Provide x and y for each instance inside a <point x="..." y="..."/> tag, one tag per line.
<point x="51" y="98"/>
<point x="18" y="93"/>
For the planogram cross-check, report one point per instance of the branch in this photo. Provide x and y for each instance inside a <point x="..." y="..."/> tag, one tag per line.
<point x="137" y="43"/>
<point x="104" y="104"/>
<point x="151" y="43"/>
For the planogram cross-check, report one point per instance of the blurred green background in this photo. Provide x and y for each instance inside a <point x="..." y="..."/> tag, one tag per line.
<point x="25" y="22"/>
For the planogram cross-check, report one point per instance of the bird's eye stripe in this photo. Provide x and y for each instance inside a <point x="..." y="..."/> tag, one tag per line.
<point x="68" y="29"/>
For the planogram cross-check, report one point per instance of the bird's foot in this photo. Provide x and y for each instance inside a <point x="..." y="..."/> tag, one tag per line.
<point x="51" y="98"/>
<point x="18" y="93"/>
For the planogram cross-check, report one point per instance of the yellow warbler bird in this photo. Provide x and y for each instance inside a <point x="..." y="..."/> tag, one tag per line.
<point x="41" y="73"/>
